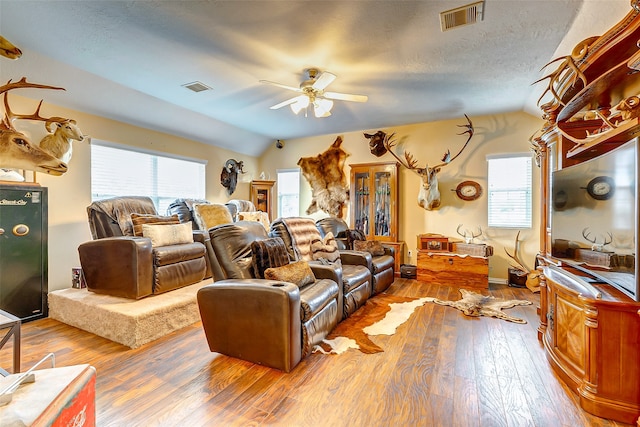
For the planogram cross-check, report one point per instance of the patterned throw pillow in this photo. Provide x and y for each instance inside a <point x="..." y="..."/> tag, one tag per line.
<point x="171" y="234"/>
<point x="268" y="253"/>
<point x="210" y="215"/>
<point x="297" y="272"/>
<point x="139" y="219"/>
<point x="373" y="247"/>
<point x="327" y="248"/>
<point x="259" y="216"/>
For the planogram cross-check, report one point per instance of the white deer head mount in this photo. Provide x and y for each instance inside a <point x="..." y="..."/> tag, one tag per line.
<point x="429" y="196"/>
<point x="595" y="246"/>
<point x="467" y="235"/>
<point x="16" y="151"/>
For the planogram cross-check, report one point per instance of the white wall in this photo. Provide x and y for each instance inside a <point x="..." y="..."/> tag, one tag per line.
<point x="70" y="194"/>
<point x="504" y="133"/>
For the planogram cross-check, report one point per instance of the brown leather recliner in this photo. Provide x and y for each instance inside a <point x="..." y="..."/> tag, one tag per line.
<point x="381" y="266"/>
<point x="356" y="274"/>
<point x="120" y="264"/>
<point x="264" y="321"/>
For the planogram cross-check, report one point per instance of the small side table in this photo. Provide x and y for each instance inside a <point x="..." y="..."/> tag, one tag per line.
<point x="11" y="324"/>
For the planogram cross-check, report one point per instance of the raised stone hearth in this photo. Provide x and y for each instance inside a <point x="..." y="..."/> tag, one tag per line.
<point x="127" y="321"/>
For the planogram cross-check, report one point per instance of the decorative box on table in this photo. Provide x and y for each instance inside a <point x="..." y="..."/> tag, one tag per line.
<point x="433" y="242"/>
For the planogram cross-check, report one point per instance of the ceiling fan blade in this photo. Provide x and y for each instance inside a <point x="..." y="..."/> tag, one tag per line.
<point x="295" y="89"/>
<point x="323" y="80"/>
<point x="345" y="96"/>
<point x="285" y="103"/>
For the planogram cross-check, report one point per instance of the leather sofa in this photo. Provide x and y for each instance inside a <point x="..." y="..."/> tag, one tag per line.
<point x="355" y="271"/>
<point x="118" y="263"/>
<point x="381" y="266"/>
<point x="264" y="321"/>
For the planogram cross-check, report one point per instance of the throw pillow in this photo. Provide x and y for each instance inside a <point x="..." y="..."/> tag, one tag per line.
<point x="139" y="219"/>
<point x="297" y="272"/>
<point x="327" y="248"/>
<point x="352" y="235"/>
<point x="373" y="247"/>
<point x="259" y="216"/>
<point x="165" y="235"/>
<point x="210" y="215"/>
<point x="268" y="253"/>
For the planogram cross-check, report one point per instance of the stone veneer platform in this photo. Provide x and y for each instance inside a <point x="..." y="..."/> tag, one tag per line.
<point x="126" y="321"/>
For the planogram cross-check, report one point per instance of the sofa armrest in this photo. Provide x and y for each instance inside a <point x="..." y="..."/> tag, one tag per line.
<point x="356" y="258"/>
<point x="389" y="250"/>
<point x="253" y="319"/>
<point x="118" y="266"/>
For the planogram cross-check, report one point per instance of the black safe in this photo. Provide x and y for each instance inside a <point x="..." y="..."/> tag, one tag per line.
<point x="23" y="251"/>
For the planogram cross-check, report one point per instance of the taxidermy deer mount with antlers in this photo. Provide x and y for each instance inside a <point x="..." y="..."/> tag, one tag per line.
<point x="16" y="151"/>
<point x="429" y="196"/>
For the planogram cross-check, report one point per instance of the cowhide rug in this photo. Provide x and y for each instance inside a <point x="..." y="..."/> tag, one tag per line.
<point x="381" y="315"/>
<point x="473" y="304"/>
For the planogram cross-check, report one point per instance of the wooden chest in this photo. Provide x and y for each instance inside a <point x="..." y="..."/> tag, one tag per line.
<point x="452" y="269"/>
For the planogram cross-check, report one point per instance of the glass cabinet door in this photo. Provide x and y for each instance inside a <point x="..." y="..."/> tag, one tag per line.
<point x="382" y="204"/>
<point x="361" y="202"/>
<point x="374" y="204"/>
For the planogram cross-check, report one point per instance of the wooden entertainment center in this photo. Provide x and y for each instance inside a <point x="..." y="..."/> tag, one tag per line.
<point x="590" y="325"/>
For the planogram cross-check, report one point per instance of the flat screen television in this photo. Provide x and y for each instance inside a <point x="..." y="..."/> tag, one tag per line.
<point x="594" y="217"/>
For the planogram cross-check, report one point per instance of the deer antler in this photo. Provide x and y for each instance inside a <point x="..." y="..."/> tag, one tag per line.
<point x="446" y="159"/>
<point x="22" y="83"/>
<point x="520" y="265"/>
<point x="596" y="246"/>
<point x="473" y="235"/>
<point x="409" y="161"/>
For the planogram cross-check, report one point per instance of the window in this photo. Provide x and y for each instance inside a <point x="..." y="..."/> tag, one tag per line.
<point x="510" y="191"/>
<point x="288" y="192"/>
<point x="118" y="171"/>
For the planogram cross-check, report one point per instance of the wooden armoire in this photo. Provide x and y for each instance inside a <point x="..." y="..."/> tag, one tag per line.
<point x="590" y="321"/>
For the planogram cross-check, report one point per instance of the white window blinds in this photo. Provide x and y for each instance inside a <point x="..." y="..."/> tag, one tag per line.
<point x="509" y="195"/>
<point x="116" y="171"/>
<point x="288" y="192"/>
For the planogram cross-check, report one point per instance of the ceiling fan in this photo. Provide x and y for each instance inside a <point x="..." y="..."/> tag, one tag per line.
<point x="312" y="93"/>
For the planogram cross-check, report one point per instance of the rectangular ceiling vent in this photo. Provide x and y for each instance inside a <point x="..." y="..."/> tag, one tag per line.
<point x="464" y="15"/>
<point x="196" y="86"/>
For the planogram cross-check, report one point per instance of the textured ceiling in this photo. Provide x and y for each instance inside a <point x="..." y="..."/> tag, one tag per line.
<point x="127" y="60"/>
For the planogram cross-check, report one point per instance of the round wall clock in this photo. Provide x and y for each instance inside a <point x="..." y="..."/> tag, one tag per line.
<point x="601" y="188"/>
<point x="468" y="190"/>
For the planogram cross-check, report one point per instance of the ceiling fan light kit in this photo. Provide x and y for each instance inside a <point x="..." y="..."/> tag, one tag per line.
<point x="312" y="93"/>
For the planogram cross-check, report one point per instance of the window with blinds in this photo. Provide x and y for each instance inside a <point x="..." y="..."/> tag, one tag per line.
<point x="288" y="192"/>
<point x="509" y="191"/>
<point x="119" y="171"/>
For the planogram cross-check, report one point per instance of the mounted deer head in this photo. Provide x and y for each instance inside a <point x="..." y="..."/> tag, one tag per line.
<point x="468" y="239"/>
<point x="16" y="151"/>
<point x="429" y="196"/>
<point x="595" y="245"/>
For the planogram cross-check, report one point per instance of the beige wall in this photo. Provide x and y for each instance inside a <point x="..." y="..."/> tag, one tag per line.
<point x="70" y="194"/>
<point x="504" y="133"/>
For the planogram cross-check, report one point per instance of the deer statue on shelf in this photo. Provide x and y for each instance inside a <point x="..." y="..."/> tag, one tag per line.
<point x="16" y="151"/>
<point x="429" y="195"/>
<point x="468" y="239"/>
<point x="595" y="246"/>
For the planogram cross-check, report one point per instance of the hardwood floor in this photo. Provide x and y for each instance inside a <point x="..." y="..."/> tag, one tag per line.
<point x="441" y="368"/>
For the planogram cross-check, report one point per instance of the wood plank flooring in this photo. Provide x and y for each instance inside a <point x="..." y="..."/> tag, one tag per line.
<point x="439" y="369"/>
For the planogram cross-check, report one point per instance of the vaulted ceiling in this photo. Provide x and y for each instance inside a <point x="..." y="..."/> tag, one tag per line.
<point x="128" y="60"/>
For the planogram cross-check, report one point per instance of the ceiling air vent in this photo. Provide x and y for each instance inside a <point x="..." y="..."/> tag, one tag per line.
<point x="464" y="15"/>
<point x="196" y="86"/>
